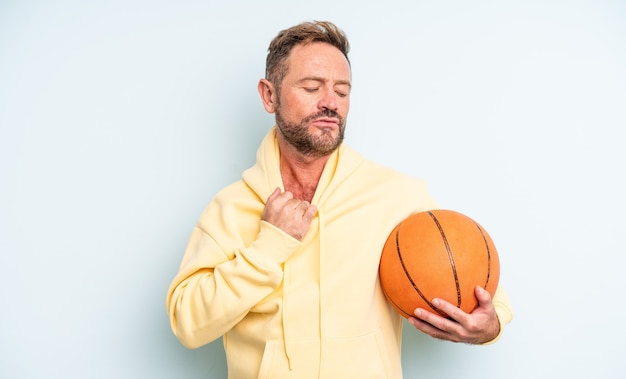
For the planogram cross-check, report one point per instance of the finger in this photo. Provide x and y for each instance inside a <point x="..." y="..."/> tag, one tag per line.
<point x="433" y="319"/>
<point x="309" y="213"/>
<point x="301" y="204"/>
<point x="430" y="329"/>
<point x="422" y="326"/>
<point x="451" y="310"/>
<point x="274" y="195"/>
<point x="282" y="199"/>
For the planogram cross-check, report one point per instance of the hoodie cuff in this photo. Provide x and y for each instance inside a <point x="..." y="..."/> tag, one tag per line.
<point x="272" y="246"/>
<point x="504" y="311"/>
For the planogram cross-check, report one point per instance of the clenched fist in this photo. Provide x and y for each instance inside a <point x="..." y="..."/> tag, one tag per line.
<point x="291" y="215"/>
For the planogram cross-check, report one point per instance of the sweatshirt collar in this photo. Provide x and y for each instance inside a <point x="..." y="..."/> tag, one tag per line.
<point x="264" y="177"/>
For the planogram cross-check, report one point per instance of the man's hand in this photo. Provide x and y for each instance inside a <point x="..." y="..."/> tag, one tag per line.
<point x="478" y="327"/>
<point x="291" y="215"/>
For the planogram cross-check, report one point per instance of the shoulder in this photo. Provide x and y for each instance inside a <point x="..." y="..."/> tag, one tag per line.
<point x="389" y="187"/>
<point x="391" y="178"/>
<point x="365" y="166"/>
<point x="235" y="203"/>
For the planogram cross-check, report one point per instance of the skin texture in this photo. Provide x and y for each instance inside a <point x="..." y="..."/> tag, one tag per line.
<point x="291" y="215"/>
<point x="314" y="101"/>
<point x="311" y="110"/>
<point x="478" y="327"/>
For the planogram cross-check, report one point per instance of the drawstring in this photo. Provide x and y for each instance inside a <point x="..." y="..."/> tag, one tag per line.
<point x="318" y="199"/>
<point x="286" y="333"/>
<point x="288" y="338"/>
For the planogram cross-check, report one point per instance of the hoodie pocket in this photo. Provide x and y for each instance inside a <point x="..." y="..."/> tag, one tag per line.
<point x="303" y="362"/>
<point x="363" y="357"/>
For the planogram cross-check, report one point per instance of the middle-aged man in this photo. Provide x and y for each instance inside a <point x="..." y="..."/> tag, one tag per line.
<point x="284" y="262"/>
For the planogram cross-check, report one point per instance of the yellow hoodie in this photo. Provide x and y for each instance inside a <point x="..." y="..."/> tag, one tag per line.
<point x="291" y="309"/>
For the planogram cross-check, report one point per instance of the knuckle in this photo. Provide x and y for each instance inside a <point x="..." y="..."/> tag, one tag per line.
<point x="472" y="325"/>
<point x="440" y="324"/>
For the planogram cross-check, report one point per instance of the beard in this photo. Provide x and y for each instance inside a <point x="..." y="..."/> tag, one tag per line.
<point x="315" y="146"/>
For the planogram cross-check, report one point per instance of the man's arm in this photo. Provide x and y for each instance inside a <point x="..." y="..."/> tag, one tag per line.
<point x="484" y="325"/>
<point x="215" y="289"/>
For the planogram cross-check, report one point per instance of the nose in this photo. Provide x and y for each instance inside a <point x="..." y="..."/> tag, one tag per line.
<point x="328" y="100"/>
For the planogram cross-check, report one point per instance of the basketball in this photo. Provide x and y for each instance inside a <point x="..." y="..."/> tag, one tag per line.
<point x="438" y="253"/>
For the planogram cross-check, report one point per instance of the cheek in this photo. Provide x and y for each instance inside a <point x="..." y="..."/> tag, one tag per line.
<point x="345" y="108"/>
<point x="298" y="108"/>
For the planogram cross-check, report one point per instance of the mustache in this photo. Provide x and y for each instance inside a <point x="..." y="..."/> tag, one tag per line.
<point x="324" y="113"/>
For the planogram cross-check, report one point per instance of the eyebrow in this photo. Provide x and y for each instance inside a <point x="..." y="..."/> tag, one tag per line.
<point x="319" y="79"/>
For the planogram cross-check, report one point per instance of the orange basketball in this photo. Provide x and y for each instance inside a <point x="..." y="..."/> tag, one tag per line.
<point x="438" y="253"/>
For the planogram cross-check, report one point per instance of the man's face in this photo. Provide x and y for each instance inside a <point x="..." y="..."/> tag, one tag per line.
<point x="314" y="99"/>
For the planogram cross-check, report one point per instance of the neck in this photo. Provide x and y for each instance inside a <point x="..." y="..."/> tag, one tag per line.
<point x="300" y="173"/>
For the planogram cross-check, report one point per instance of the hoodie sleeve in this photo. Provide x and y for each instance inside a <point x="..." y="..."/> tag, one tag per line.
<point x="502" y="303"/>
<point x="217" y="286"/>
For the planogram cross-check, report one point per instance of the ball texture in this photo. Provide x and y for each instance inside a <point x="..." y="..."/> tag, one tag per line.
<point x="438" y="253"/>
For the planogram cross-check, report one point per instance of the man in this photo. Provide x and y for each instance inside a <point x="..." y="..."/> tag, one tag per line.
<point x="283" y="263"/>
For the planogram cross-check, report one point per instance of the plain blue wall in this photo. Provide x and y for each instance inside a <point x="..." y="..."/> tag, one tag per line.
<point x="119" y="120"/>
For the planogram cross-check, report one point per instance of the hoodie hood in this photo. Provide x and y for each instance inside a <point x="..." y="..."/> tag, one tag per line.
<point x="264" y="176"/>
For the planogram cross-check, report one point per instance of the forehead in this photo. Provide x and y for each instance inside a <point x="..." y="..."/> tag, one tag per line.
<point x="318" y="59"/>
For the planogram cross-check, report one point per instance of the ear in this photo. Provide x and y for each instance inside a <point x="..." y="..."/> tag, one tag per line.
<point x="268" y="95"/>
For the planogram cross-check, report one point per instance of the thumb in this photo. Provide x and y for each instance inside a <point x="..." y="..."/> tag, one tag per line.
<point x="482" y="295"/>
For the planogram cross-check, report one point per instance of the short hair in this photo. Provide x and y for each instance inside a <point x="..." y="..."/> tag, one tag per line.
<point x="301" y="34"/>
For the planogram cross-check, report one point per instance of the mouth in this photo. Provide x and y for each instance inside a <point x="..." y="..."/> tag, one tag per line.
<point x="326" y="122"/>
